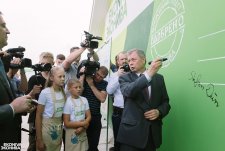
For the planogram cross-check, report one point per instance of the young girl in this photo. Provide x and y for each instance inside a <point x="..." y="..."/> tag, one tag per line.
<point x="76" y="117"/>
<point x="49" y="112"/>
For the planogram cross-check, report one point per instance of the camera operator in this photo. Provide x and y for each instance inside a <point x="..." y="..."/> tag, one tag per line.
<point x="14" y="61"/>
<point x="95" y="92"/>
<point x="71" y="63"/>
<point x="113" y="89"/>
<point x="35" y="84"/>
<point x="10" y="106"/>
<point x="18" y="79"/>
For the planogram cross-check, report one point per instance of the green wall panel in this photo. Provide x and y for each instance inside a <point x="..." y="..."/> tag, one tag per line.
<point x="191" y="34"/>
<point x="138" y="30"/>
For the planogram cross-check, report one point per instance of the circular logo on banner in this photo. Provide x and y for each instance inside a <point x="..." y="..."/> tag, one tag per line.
<point x="167" y="30"/>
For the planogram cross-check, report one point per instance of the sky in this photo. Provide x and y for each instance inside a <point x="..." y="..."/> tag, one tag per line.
<point x="46" y="25"/>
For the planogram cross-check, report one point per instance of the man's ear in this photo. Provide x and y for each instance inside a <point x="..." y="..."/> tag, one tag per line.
<point x="51" y="77"/>
<point x="144" y="60"/>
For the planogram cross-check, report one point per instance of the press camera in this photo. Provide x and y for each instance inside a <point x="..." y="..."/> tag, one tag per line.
<point x="126" y="68"/>
<point x="17" y="53"/>
<point x="42" y="67"/>
<point x="90" y="66"/>
<point x="90" y="40"/>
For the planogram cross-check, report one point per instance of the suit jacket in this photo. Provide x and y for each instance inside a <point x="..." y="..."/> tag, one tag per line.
<point x="10" y="125"/>
<point x="134" y="128"/>
<point x="6" y="113"/>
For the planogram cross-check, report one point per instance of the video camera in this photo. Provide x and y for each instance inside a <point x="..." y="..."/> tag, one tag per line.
<point x="37" y="68"/>
<point x="25" y="62"/>
<point x="90" y="66"/>
<point x="89" y="41"/>
<point x="18" y="53"/>
<point x="126" y="68"/>
<point x="41" y="67"/>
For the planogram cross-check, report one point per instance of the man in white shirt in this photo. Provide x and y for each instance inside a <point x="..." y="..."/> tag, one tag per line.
<point x="113" y="89"/>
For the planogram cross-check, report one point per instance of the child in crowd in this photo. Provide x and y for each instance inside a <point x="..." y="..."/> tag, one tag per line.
<point x="49" y="112"/>
<point x="76" y="117"/>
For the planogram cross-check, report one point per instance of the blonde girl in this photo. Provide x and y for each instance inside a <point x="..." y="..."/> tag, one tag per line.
<point x="49" y="112"/>
<point x="76" y="117"/>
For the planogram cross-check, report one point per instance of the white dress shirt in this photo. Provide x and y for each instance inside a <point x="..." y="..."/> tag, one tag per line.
<point x="113" y="88"/>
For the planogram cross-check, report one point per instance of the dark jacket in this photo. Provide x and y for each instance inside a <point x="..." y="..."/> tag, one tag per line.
<point x="35" y="80"/>
<point x="10" y="125"/>
<point x="134" y="128"/>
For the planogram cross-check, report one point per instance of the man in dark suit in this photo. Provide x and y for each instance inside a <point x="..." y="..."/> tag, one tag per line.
<point x="146" y="103"/>
<point x="10" y="120"/>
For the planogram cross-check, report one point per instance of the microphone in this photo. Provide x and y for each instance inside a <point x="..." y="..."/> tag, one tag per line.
<point x="163" y="59"/>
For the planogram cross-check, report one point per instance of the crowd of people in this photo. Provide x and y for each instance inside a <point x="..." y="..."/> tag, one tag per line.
<point x="67" y="110"/>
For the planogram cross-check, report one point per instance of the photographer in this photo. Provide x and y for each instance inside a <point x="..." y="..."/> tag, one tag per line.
<point x="10" y="106"/>
<point x="113" y="89"/>
<point x="95" y="92"/>
<point x="35" y="85"/>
